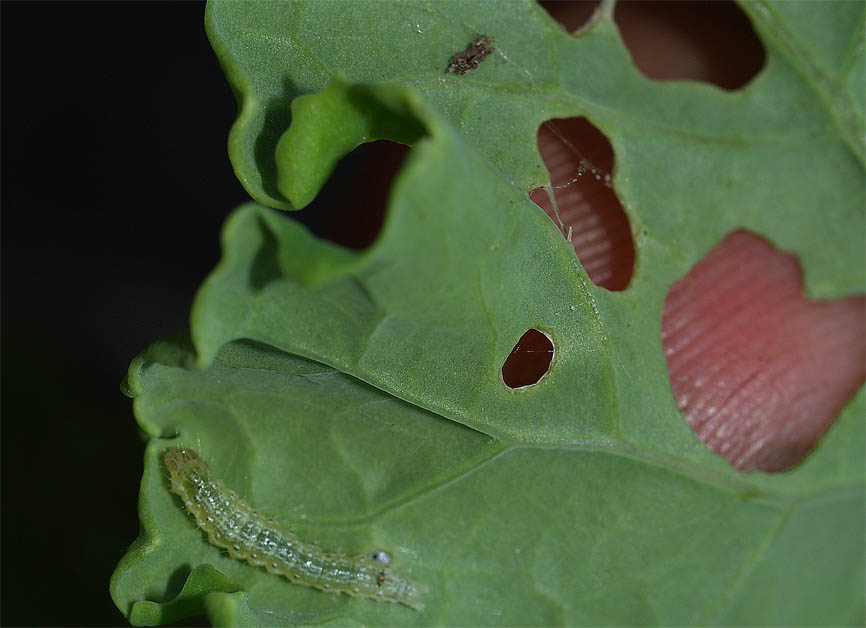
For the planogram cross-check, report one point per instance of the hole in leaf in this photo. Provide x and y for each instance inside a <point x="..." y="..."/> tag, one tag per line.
<point x="350" y="208"/>
<point x="712" y="42"/>
<point x="572" y="15"/>
<point x="528" y="361"/>
<point x="759" y="372"/>
<point x="580" y="162"/>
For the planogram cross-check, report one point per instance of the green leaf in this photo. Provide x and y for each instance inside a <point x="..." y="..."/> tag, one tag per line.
<point x="431" y="320"/>
<point x="202" y="581"/>
<point x="514" y="535"/>
<point x="335" y="122"/>
<point x="782" y="157"/>
<point x="584" y="499"/>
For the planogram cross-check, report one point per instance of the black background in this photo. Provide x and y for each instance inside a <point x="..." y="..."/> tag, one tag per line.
<point x="115" y="183"/>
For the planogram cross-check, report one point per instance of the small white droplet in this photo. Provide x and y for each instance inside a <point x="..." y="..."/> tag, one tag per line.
<point x="382" y="557"/>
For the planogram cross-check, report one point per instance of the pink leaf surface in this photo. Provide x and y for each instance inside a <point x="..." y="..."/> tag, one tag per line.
<point x="759" y="372"/>
<point x="580" y="161"/>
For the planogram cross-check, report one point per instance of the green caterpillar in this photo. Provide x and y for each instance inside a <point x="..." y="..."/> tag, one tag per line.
<point x="232" y="524"/>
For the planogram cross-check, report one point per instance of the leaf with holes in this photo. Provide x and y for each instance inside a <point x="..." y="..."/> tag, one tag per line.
<point x="358" y="397"/>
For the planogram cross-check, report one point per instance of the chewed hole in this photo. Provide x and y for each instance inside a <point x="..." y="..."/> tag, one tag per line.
<point x="350" y="209"/>
<point x="713" y="42"/>
<point x="572" y="15"/>
<point x="758" y="371"/>
<point x="529" y="360"/>
<point x="585" y="207"/>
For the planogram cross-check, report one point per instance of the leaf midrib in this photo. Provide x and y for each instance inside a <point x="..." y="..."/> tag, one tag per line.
<point x="828" y="89"/>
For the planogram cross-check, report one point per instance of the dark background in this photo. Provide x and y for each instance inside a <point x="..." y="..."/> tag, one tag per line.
<point x="115" y="182"/>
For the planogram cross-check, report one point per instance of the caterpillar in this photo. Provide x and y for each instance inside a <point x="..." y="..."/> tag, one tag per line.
<point x="232" y="524"/>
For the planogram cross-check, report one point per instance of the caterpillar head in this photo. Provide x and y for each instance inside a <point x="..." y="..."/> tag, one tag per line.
<point x="185" y="463"/>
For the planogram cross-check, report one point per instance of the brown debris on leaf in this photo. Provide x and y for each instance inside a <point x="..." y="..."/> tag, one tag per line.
<point x="472" y="57"/>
